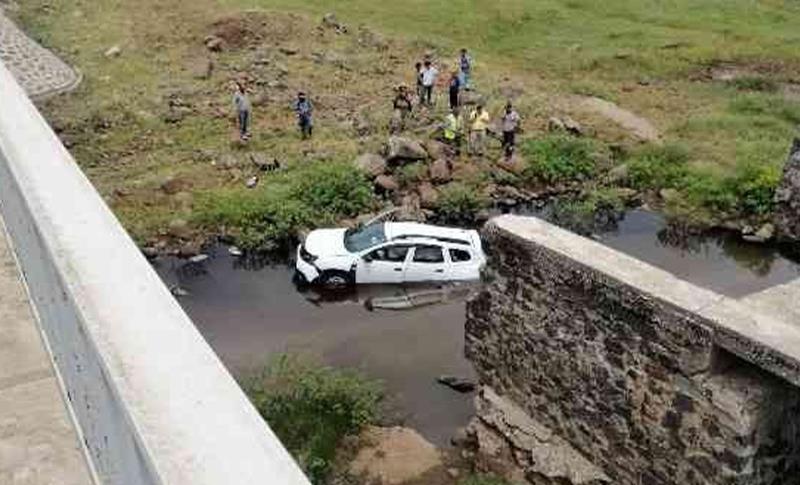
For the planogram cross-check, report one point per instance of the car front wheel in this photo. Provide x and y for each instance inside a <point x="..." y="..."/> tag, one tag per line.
<point x="335" y="280"/>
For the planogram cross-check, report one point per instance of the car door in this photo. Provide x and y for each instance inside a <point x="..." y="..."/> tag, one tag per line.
<point x="427" y="263"/>
<point x="463" y="265"/>
<point x="383" y="265"/>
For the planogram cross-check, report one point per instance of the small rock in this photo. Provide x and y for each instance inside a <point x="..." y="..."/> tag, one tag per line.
<point x="668" y="194"/>
<point x="214" y="43"/>
<point x="513" y="165"/>
<point x="172" y="185"/>
<point x="555" y="124"/>
<point x="440" y="171"/>
<point x="764" y="234"/>
<point x="387" y="183"/>
<point x="618" y="175"/>
<point x="114" y="51"/>
<point x="460" y="437"/>
<point x="372" y="164"/>
<point x="264" y="162"/>
<point x="150" y="252"/>
<point x="288" y="51"/>
<point x="251" y="182"/>
<point x="457" y="383"/>
<point x="235" y="251"/>
<point x="330" y="21"/>
<point x="453" y="472"/>
<point x="573" y="127"/>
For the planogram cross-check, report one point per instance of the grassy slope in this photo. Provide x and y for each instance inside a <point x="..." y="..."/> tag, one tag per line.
<point x="556" y="46"/>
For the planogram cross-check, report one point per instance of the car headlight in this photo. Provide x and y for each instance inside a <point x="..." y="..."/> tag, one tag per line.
<point x="307" y="257"/>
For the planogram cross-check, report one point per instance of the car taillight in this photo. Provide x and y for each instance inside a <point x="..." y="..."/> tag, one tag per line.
<point x="307" y="257"/>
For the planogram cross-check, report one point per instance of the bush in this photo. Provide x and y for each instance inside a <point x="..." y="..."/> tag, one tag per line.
<point x="311" y="408"/>
<point x="658" y="167"/>
<point x="319" y="193"/>
<point x="460" y="201"/>
<point x="559" y="159"/>
<point x="599" y="209"/>
<point x="755" y="83"/>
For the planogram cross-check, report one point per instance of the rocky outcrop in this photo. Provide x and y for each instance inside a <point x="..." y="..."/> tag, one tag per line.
<point x="646" y="386"/>
<point x="508" y="442"/>
<point x="787" y="197"/>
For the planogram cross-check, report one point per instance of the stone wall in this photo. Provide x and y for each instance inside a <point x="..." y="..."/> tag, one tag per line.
<point x="787" y="197"/>
<point x="645" y="375"/>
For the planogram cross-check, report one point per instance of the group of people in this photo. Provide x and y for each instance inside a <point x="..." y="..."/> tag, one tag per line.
<point x="474" y="127"/>
<point x="302" y="108"/>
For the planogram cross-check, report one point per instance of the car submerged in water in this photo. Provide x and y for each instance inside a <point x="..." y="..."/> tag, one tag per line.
<point x="390" y="252"/>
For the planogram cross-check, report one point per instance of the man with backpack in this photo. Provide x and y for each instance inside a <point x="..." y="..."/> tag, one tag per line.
<point x="304" y="109"/>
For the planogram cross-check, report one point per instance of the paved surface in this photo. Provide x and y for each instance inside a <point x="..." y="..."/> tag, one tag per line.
<point x="38" y="445"/>
<point x="37" y="69"/>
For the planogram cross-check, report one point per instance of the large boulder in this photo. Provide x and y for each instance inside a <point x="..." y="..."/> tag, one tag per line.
<point x="399" y="149"/>
<point x="371" y="164"/>
<point x="435" y="149"/>
<point x="787" y="197"/>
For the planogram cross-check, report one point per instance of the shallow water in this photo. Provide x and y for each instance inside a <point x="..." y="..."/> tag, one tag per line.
<point x="247" y="314"/>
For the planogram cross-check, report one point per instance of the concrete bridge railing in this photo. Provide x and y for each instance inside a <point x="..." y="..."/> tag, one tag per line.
<point x="151" y="401"/>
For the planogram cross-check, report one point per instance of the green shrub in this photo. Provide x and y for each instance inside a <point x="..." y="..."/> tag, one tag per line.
<point x="584" y="215"/>
<point x="311" y="408"/>
<point x="315" y="194"/>
<point x="755" y="83"/>
<point x="765" y="104"/>
<point x="460" y="201"/>
<point x="559" y="159"/>
<point x="658" y="167"/>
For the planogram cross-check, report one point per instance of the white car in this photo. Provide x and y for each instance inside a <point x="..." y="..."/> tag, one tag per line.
<point x="390" y="252"/>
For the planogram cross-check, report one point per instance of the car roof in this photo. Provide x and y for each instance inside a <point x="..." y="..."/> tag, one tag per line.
<point x="416" y="232"/>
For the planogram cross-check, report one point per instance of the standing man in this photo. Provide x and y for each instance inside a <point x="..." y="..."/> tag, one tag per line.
<point x="510" y="125"/>
<point x="429" y="75"/>
<point x="478" y="124"/>
<point x="304" y="109"/>
<point x="402" y="108"/>
<point x="243" y="109"/>
<point x="420" y="88"/>
<point x="454" y="89"/>
<point x="465" y="67"/>
<point x="452" y="130"/>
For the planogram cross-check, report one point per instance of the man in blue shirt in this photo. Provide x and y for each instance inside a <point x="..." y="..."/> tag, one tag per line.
<point x="304" y="109"/>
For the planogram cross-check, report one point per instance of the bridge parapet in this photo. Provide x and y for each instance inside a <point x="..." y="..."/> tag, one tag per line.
<point x="653" y="379"/>
<point x="153" y="403"/>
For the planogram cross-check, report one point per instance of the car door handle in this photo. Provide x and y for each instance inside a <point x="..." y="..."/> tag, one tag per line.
<point x="439" y="271"/>
<point x="398" y="269"/>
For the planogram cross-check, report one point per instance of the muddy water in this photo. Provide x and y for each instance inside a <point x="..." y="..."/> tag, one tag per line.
<point x="247" y="313"/>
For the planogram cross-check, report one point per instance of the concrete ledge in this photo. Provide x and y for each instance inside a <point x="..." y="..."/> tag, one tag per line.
<point x="764" y="340"/>
<point x="153" y="402"/>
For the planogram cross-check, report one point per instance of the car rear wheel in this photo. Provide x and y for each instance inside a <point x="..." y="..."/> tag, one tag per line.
<point x="335" y="280"/>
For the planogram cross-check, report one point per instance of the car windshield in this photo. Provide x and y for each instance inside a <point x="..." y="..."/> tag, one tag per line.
<point x="357" y="240"/>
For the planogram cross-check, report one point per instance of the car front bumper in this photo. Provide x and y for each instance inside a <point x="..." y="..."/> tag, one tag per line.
<point x="307" y="270"/>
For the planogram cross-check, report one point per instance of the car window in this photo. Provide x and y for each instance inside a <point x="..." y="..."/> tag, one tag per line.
<point x="459" y="255"/>
<point x="428" y="254"/>
<point x="393" y="254"/>
<point x="356" y="240"/>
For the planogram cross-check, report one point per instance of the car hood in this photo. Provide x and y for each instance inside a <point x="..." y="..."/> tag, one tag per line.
<point x="326" y="242"/>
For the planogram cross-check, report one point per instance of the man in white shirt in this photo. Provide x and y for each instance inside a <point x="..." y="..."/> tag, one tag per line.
<point x="429" y="74"/>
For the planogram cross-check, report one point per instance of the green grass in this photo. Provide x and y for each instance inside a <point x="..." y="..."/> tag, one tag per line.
<point x="649" y="56"/>
<point x="309" y="196"/>
<point x="311" y="408"/>
<point x="557" y="159"/>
